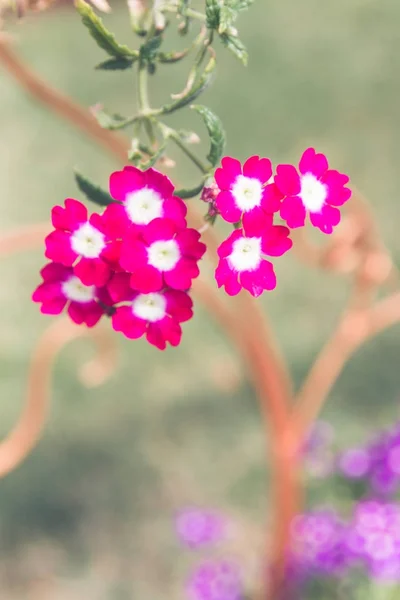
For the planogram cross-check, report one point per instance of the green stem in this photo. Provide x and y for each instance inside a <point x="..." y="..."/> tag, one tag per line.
<point x="178" y="141"/>
<point x="143" y="99"/>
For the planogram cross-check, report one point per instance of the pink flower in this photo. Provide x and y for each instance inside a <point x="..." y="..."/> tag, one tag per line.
<point x="61" y="287"/>
<point x="145" y="196"/>
<point x="316" y="189"/>
<point x="241" y="263"/>
<point x="87" y="243"/>
<point x="157" y="314"/>
<point x="244" y="192"/>
<point x="162" y="255"/>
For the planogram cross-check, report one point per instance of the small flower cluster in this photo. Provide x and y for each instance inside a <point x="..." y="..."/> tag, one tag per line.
<point x="212" y="579"/>
<point x="325" y="545"/>
<point x="251" y="195"/>
<point x="135" y="262"/>
<point x="377" y="463"/>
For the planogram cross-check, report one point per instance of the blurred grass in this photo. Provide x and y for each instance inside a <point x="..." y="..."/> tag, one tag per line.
<point x="90" y="510"/>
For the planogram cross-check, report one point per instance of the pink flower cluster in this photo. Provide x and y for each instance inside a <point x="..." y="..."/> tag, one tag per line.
<point x="135" y="262"/>
<point x="250" y="195"/>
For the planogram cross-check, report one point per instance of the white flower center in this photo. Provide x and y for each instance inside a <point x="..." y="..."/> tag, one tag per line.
<point x="247" y="192"/>
<point x="75" y="290"/>
<point x="143" y="206"/>
<point x="149" y="307"/>
<point x="313" y="192"/>
<point x="246" y="254"/>
<point x="87" y="241"/>
<point x="163" y="255"/>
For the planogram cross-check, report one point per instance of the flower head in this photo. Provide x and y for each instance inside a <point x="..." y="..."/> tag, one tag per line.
<point x="162" y="255"/>
<point x="196" y="527"/>
<point x="145" y="196"/>
<point x="157" y="315"/>
<point x="215" y="580"/>
<point x="314" y="189"/>
<point x="318" y="540"/>
<point x="244" y="192"/>
<point x="88" y="243"/>
<point x="375" y="538"/>
<point x="241" y="258"/>
<point x="61" y="288"/>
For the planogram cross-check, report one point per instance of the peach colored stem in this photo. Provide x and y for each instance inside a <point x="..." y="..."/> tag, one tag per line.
<point x="20" y="441"/>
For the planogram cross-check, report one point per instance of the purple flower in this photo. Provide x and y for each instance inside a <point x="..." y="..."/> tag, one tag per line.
<point x="319" y="542"/>
<point x="215" y="580"/>
<point x="374" y="538"/>
<point x="196" y="527"/>
<point x="355" y="463"/>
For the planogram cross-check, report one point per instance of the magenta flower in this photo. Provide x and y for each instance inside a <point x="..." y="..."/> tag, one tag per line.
<point x="162" y="255"/>
<point x="62" y="288"/>
<point x="157" y="314"/>
<point x="87" y="243"/>
<point x="244" y="191"/>
<point x="241" y="262"/>
<point x="197" y="528"/>
<point x="215" y="580"/>
<point x="313" y="189"/>
<point x="145" y="196"/>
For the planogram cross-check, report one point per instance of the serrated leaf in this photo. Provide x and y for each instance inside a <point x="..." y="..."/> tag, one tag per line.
<point x="237" y="47"/>
<point x="227" y="17"/>
<point x="240" y="5"/>
<point x="148" y="51"/>
<point x="110" y="121"/>
<point x="115" y="64"/>
<point x="196" y="89"/>
<point x="215" y="131"/>
<point x="104" y="38"/>
<point x="190" y="193"/>
<point x="212" y="14"/>
<point x="92" y="191"/>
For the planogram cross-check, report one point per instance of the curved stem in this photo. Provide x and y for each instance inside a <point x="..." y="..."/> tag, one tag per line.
<point x="355" y="328"/>
<point x="20" y="441"/>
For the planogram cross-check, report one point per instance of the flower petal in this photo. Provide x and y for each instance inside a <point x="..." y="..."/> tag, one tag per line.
<point x="92" y="272"/>
<point x="293" y="211"/>
<point x="287" y="179"/>
<point x="259" y="280"/>
<point x="124" y="320"/>
<point x="126" y="181"/>
<point x="147" y="279"/>
<point x="70" y="217"/>
<point x="256" y="221"/>
<point x="226" y="175"/>
<point x="314" y="163"/>
<point x="326" y="219"/>
<point x="258" y="168"/>
<point x="58" y="247"/>
<point x="226" y="205"/>
<point x="276" y="241"/>
<point x="159" y="229"/>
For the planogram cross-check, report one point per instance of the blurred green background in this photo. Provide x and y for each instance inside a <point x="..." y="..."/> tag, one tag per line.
<point x="90" y="512"/>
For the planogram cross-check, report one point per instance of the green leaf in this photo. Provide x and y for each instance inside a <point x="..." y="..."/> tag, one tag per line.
<point x="239" y="5"/>
<point x="172" y="57"/>
<point x="92" y="191"/>
<point x="110" y="121"/>
<point x="104" y="38"/>
<point x="148" y="50"/>
<point x="115" y="64"/>
<point x="196" y="89"/>
<point x="212" y="13"/>
<point x="227" y="17"/>
<point x="234" y="44"/>
<point x="190" y="193"/>
<point x="215" y="131"/>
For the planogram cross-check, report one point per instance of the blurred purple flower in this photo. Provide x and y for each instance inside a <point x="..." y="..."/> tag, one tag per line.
<point x="196" y="527"/>
<point x="215" y="580"/>
<point x="374" y="538"/>
<point x="355" y="463"/>
<point x="319" y="542"/>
